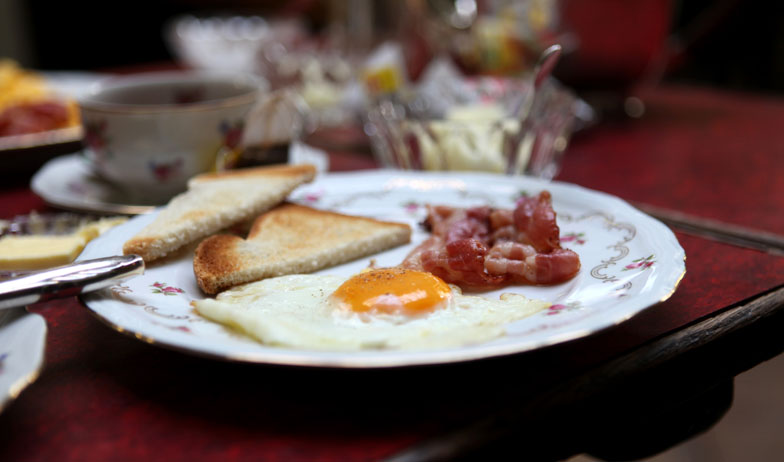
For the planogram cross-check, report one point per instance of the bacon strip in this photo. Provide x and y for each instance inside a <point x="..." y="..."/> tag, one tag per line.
<point x="484" y="248"/>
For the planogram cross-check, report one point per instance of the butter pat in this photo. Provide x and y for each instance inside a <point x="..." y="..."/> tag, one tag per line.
<point x="37" y="252"/>
<point x="471" y="137"/>
<point x="96" y="228"/>
<point x="476" y="112"/>
<point x="32" y="252"/>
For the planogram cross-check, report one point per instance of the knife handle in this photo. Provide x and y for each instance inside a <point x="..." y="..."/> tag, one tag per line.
<point x="69" y="280"/>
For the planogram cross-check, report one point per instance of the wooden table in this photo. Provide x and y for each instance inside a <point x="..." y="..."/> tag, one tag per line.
<point x="623" y="393"/>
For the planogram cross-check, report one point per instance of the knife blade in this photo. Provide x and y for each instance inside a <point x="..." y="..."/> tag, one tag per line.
<point x="69" y="280"/>
<point x="719" y="231"/>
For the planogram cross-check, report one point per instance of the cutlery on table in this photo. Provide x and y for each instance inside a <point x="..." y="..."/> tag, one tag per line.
<point x="69" y="280"/>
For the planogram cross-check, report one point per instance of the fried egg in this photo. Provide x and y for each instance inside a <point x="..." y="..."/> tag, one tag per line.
<point x="390" y="308"/>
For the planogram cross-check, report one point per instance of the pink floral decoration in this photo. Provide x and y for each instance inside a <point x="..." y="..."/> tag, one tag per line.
<point x="640" y="263"/>
<point x="411" y="206"/>
<point x="95" y="134"/>
<point x="312" y="197"/>
<point x="164" y="171"/>
<point x="162" y="288"/>
<point x="558" y="308"/>
<point x="232" y="134"/>
<point x="555" y="309"/>
<point x="577" y="238"/>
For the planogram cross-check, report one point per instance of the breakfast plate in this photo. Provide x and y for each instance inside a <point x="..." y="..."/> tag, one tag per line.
<point x="630" y="262"/>
<point x="64" y="86"/>
<point x="26" y="152"/>
<point x="50" y="138"/>
<point x="69" y="182"/>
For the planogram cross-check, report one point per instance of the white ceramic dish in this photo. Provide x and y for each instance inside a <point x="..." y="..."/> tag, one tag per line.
<point x="22" y="344"/>
<point x="69" y="182"/>
<point x="630" y="261"/>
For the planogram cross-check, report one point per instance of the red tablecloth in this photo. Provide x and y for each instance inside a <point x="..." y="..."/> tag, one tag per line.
<point x="105" y="396"/>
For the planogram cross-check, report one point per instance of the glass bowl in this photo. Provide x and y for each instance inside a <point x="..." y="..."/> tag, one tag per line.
<point x="485" y="124"/>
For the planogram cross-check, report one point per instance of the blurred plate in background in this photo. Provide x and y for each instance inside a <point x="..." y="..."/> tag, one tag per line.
<point x="23" y="154"/>
<point x="68" y="182"/>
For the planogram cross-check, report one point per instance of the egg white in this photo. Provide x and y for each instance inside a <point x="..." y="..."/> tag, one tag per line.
<point x="296" y="311"/>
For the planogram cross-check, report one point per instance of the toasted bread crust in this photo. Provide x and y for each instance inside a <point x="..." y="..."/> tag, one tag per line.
<point x="213" y="202"/>
<point x="296" y="218"/>
<point x="214" y="257"/>
<point x="292" y="239"/>
<point x="273" y="170"/>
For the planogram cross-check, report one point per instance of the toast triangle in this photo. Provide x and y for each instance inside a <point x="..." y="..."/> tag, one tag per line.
<point x="213" y="202"/>
<point x="291" y="239"/>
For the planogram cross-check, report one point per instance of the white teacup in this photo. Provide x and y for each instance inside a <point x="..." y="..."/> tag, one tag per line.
<point x="149" y="133"/>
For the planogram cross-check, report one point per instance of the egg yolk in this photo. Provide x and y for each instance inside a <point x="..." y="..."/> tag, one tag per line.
<point x="393" y="291"/>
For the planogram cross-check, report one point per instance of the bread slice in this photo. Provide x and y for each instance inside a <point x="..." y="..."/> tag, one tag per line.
<point x="291" y="239"/>
<point x="213" y="202"/>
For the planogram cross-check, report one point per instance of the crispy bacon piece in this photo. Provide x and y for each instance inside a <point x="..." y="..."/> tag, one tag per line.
<point x="432" y="256"/>
<point x="521" y="263"/>
<point x="535" y="218"/>
<point x="484" y="248"/>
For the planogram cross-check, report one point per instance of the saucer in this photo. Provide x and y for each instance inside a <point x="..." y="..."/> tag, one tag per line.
<point x="68" y="182"/>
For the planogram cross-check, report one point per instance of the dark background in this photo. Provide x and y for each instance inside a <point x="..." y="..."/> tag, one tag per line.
<point x="727" y="43"/>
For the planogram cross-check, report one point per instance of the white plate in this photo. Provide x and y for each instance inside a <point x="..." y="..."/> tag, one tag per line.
<point x="630" y="261"/>
<point x="69" y="182"/>
<point x="22" y="343"/>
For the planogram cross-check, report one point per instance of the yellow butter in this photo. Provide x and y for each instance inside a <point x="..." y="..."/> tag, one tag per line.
<point x="476" y="112"/>
<point x="96" y="228"/>
<point x="36" y="252"/>
<point x="32" y="252"/>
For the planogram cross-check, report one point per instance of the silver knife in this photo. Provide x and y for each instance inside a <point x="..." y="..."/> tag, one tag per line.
<point x="69" y="280"/>
<point x="716" y="230"/>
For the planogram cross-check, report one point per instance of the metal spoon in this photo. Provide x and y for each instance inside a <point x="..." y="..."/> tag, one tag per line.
<point x="546" y="63"/>
<point x="542" y="70"/>
<point x="544" y="67"/>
